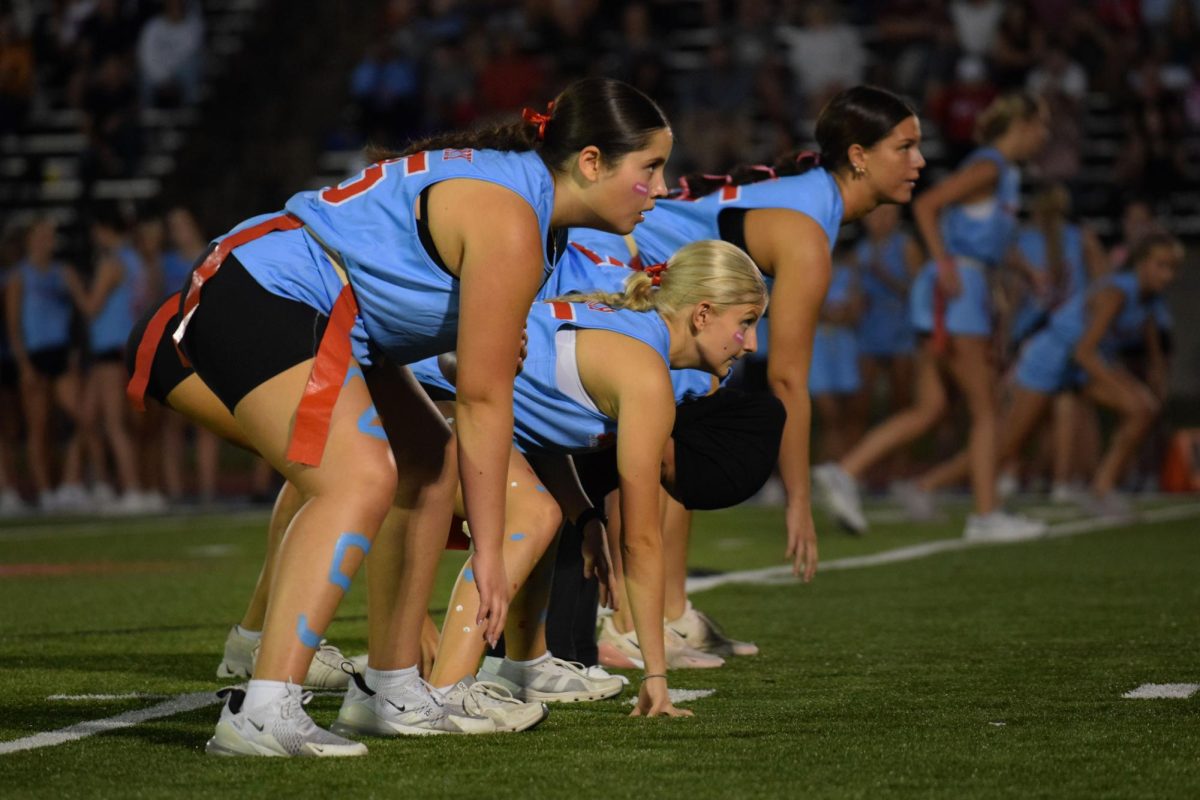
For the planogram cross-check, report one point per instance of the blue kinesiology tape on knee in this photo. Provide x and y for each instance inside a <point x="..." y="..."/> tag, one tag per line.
<point x="352" y="373"/>
<point x="369" y="424"/>
<point x="309" y="637"/>
<point x="344" y="543"/>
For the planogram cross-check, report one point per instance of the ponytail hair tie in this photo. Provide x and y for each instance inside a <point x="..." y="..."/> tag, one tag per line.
<point x="655" y="272"/>
<point x="810" y="156"/>
<point x="764" y="168"/>
<point x="536" y="118"/>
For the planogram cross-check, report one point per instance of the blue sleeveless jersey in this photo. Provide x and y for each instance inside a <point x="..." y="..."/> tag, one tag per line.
<point x="408" y="305"/>
<point x="582" y="269"/>
<point x="1069" y="322"/>
<point x="673" y="223"/>
<point x="551" y="410"/>
<point x="984" y="230"/>
<point x="834" y="365"/>
<point x="110" y="328"/>
<point x="884" y="329"/>
<point x="45" y="307"/>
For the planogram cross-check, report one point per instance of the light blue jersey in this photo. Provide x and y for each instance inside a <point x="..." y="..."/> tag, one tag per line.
<point x="834" y="365"/>
<point x="977" y="236"/>
<point x="408" y="305"/>
<point x="46" y="307"/>
<point x="110" y="328"/>
<point x="1047" y="362"/>
<point x="1032" y="310"/>
<point x="673" y="223"/>
<point x="175" y="269"/>
<point x="885" y="329"/>
<point x="551" y="410"/>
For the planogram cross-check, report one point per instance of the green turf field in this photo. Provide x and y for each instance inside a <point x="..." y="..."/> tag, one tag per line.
<point x="981" y="672"/>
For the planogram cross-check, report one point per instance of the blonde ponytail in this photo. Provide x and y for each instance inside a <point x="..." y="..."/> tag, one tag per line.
<point x="1002" y="113"/>
<point x="708" y="270"/>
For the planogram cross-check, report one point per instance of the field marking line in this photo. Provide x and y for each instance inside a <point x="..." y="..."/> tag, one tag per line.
<point x="681" y="695"/>
<point x="82" y="730"/>
<point x="1161" y="691"/>
<point x="783" y="574"/>
<point x="103" y="697"/>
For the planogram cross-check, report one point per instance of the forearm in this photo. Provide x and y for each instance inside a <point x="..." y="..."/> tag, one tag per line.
<point x="484" y="429"/>
<point x="926" y="219"/>
<point x="794" y="446"/>
<point x="642" y="551"/>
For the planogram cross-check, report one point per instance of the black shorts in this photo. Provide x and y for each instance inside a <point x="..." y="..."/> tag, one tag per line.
<point x="52" y="362"/>
<point x="166" y="370"/>
<point x="241" y="335"/>
<point x="8" y="373"/>
<point x="115" y="355"/>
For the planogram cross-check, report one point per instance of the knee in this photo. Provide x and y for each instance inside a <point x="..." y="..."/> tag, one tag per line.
<point x="930" y="409"/>
<point x="537" y="515"/>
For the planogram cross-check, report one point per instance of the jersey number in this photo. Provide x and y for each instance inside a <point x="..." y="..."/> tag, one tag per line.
<point x="370" y="177"/>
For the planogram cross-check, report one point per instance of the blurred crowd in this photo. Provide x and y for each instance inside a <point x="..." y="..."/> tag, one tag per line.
<point x="741" y="80"/>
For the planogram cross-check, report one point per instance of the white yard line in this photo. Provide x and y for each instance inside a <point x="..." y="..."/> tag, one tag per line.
<point x="783" y="574"/>
<point x="176" y="705"/>
<point x="1163" y="691"/>
<point x="96" y="698"/>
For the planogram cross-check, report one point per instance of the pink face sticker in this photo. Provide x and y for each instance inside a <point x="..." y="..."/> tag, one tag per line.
<point x="641" y="188"/>
<point x="739" y="337"/>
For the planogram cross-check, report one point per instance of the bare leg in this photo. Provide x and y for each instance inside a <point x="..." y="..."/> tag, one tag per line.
<point x="109" y="380"/>
<point x="904" y="426"/>
<point x="35" y="395"/>
<point x="287" y="504"/>
<point x="1138" y="407"/>
<point x="976" y="378"/>
<point x="207" y="452"/>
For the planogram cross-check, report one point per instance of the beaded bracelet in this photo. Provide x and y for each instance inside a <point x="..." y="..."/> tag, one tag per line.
<point x="662" y="675"/>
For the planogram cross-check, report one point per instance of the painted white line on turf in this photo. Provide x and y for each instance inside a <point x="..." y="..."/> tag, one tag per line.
<point x="176" y="705"/>
<point x="783" y="574"/>
<point x="102" y="697"/>
<point x="682" y="695"/>
<point x="1158" y="691"/>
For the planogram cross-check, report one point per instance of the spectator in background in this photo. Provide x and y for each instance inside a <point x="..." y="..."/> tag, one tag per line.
<point x="111" y="122"/>
<point x="631" y="44"/>
<point x="916" y="43"/>
<point x="826" y="55"/>
<point x="170" y="56"/>
<point x="1062" y="84"/>
<point x="512" y="78"/>
<point x="1018" y="44"/>
<point x="1191" y="96"/>
<point x="975" y="24"/>
<point x="1154" y="158"/>
<point x="16" y="76"/>
<point x="956" y="107"/>
<point x="449" y="88"/>
<point x="714" y="111"/>
<point x="106" y="32"/>
<point x="386" y="88"/>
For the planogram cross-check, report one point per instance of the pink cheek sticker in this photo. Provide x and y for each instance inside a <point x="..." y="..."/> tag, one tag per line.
<point x="739" y="337"/>
<point x="641" y="188"/>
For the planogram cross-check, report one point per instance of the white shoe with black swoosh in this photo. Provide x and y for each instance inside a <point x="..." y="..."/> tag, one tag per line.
<point x="415" y="709"/>
<point x="279" y="728"/>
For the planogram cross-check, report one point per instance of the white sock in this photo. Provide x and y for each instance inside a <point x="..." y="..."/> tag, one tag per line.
<point x="445" y="689"/>
<point x="260" y="693"/>
<point x="381" y="680"/>
<point x="253" y="636"/>
<point x="532" y="663"/>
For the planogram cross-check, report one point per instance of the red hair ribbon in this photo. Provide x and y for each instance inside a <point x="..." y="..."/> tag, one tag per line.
<point x="764" y="168"/>
<point x="810" y="156"/>
<point x="539" y="119"/>
<point x="655" y="272"/>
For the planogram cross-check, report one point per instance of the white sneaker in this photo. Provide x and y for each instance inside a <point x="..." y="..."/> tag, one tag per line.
<point x="1066" y="494"/>
<point x="597" y="671"/>
<point x="279" y="728"/>
<point x="699" y="631"/>
<point x="1000" y="526"/>
<point x="415" y="709"/>
<point x="550" y="680"/>
<point x="103" y="496"/>
<point x="11" y="504"/>
<point x="71" y="498"/>
<point x="615" y="648"/>
<point x="324" y="671"/>
<point x="1007" y="485"/>
<point x="839" y="491"/>
<point x="485" y="699"/>
<point x="918" y="504"/>
<point x="1112" y="505"/>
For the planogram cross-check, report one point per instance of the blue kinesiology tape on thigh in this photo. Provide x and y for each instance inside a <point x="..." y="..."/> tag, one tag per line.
<point x="344" y="543"/>
<point x="369" y="424"/>
<point x="309" y="637"/>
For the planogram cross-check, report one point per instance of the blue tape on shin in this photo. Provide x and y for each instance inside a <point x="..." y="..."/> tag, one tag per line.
<point x="344" y="543"/>
<point x="307" y="635"/>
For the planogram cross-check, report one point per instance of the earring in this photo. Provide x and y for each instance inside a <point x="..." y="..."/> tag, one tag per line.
<point x="860" y="171"/>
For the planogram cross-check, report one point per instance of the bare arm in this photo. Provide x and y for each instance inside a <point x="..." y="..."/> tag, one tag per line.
<point x="1094" y="256"/>
<point x="1103" y="308"/>
<point x="971" y="183"/>
<point x="12" y="301"/>
<point x="90" y="300"/>
<point x="797" y="252"/>
<point x="500" y="264"/>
